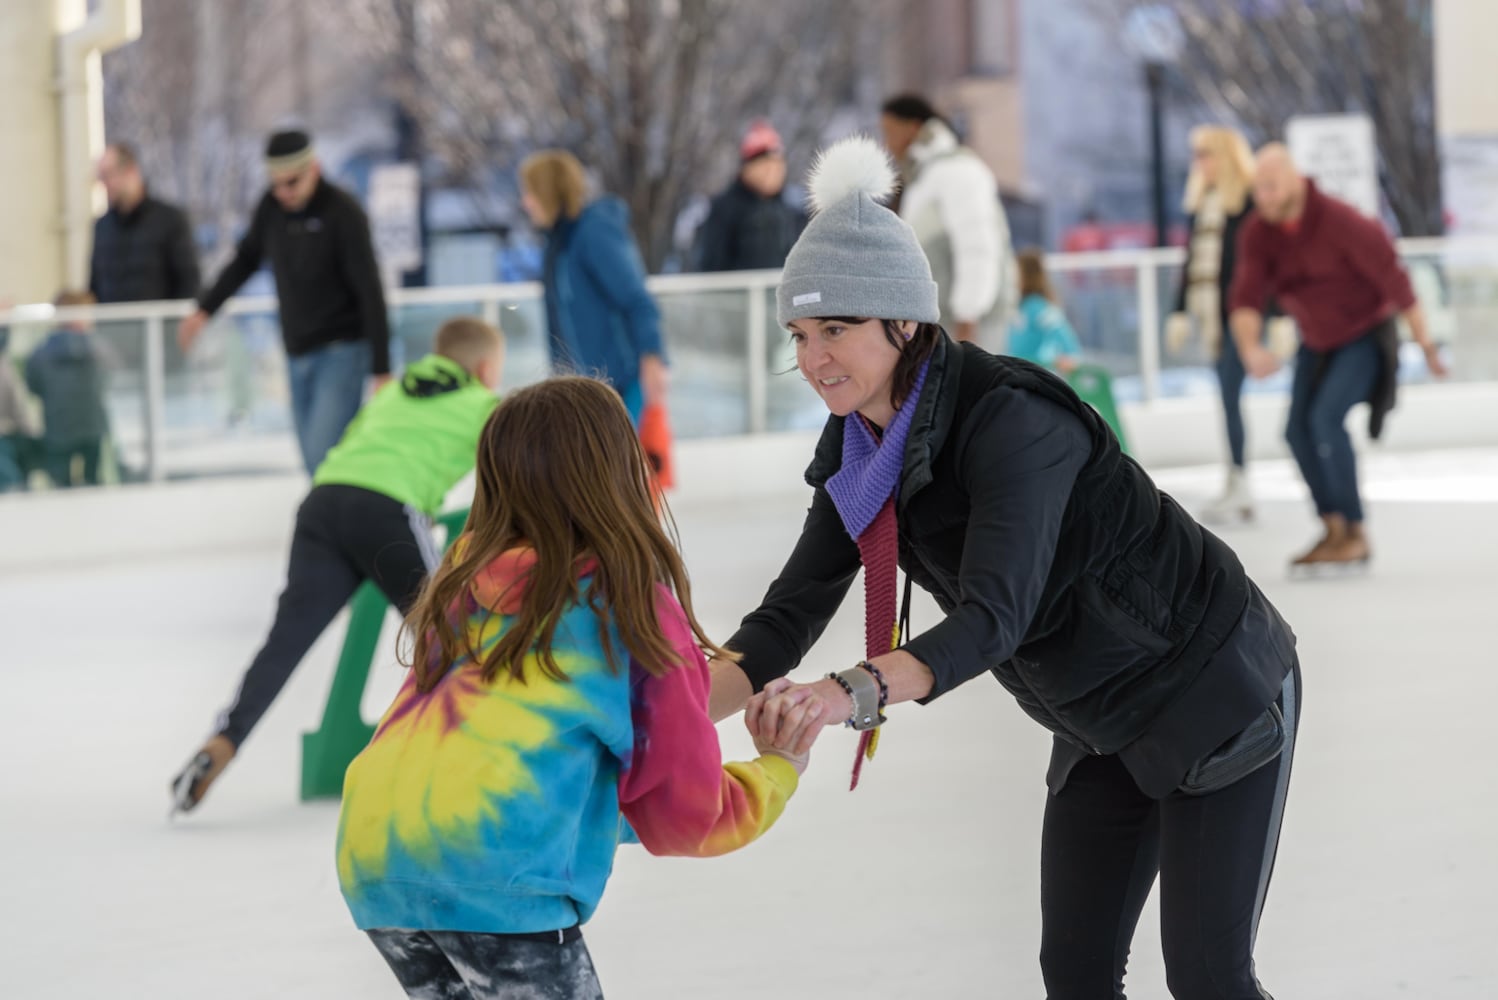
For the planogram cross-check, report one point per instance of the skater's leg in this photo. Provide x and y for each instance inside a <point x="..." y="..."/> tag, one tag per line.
<point x="1349" y="379"/>
<point x="338" y="391"/>
<point x="1098" y="858"/>
<point x="538" y="967"/>
<point x="419" y="965"/>
<point x="1230" y="377"/>
<point x="1216" y="855"/>
<point x="319" y="582"/>
<point x="1303" y="391"/>
<point x="390" y="543"/>
<point x="301" y="375"/>
<point x="91" y="450"/>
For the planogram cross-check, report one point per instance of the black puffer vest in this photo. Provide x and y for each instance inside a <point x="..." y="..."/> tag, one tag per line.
<point x="1139" y="597"/>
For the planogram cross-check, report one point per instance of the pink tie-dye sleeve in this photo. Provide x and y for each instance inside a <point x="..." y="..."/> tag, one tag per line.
<point x="676" y="791"/>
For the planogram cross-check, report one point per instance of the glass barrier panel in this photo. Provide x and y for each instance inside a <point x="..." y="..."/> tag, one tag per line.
<point x="706" y="337"/>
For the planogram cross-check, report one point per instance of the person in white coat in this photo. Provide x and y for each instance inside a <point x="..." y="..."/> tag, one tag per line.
<point x="951" y="199"/>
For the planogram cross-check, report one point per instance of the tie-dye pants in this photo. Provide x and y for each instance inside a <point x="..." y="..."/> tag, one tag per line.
<point x="457" y="965"/>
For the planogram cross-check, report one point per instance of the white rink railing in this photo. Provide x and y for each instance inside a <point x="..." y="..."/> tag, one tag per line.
<point x="223" y="408"/>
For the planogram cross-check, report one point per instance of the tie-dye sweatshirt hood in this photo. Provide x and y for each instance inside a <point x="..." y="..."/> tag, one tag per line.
<point x="495" y="806"/>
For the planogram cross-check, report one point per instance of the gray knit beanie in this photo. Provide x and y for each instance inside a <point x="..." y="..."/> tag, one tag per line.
<point x="855" y="257"/>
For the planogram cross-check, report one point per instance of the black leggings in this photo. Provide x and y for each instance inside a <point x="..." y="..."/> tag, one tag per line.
<point x="1104" y="842"/>
<point x="344" y="535"/>
<point x="457" y="965"/>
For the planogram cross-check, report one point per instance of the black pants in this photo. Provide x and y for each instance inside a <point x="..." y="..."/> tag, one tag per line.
<point x="58" y="457"/>
<point x="455" y="965"/>
<point x="1103" y="844"/>
<point x="344" y="535"/>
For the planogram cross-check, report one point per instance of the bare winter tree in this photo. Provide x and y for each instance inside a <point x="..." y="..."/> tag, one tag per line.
<point x="651" y="95"/>
<point x="1257" y="64"/>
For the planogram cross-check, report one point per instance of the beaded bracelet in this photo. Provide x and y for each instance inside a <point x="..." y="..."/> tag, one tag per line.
<point x="883" y="687"/>
<point x="852" y="698"/>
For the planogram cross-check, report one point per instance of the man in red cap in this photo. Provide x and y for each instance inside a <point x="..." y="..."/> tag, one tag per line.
<point x="751" y="226"/>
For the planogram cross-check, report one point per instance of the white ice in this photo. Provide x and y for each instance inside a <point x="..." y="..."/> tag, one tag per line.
<point x="923" y="883"/>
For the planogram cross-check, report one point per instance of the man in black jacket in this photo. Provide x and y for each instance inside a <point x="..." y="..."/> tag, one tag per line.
<point x="143" y="247"/>
<point x="751" y="226"/>
<point x="333" y="321"/>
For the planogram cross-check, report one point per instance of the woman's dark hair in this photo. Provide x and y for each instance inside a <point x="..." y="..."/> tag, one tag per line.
<point x="912" y="108"/>
<point x="913" y="352"/>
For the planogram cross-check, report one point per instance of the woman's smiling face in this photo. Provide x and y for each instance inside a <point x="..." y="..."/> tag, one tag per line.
<point x="851" y="364"/>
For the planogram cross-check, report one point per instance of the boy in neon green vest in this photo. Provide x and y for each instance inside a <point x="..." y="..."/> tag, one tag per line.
<point x="368" y="517"/>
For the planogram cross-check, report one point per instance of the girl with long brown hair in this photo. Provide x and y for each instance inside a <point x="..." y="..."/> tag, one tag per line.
<point x="558" y="683"/>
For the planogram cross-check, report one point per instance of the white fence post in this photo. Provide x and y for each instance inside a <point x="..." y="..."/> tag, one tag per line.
<point x="1147" y="286"/>
<point x="489" y="312"/>
<point x="155" y="398"/>
<point x="756" y="348"/>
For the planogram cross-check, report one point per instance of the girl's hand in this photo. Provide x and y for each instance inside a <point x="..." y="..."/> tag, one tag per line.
<point x="785" y="719"/>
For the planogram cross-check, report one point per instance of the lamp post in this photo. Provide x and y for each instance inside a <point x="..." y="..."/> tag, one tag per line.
<point x="1154" y="35"/>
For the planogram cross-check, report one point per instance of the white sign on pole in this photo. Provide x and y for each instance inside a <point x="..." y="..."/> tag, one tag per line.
<point x="1469" y="184"/>
<point x="1339" y="154"/>
<point x="395" y="215"/>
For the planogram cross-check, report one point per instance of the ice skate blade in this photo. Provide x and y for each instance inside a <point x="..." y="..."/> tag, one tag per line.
<point x="182" y="786"/>
<point x="1240" y="518"/>
<point x="1331" y="570"/>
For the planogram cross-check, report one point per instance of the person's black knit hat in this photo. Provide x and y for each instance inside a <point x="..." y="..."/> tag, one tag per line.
<point x="288" y="150"/>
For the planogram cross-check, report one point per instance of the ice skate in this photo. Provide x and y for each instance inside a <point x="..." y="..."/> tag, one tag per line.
<point x="1344" y="547"/>
<point x="189" y="787"/>
<point x="1235" y="505"/>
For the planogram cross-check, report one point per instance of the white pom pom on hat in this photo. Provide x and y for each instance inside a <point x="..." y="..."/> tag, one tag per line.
<point x="854" y="164"/>
<point x="855" y="257"/>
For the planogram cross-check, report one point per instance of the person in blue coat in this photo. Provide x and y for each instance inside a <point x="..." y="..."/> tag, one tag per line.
<point x="600" y="316"/>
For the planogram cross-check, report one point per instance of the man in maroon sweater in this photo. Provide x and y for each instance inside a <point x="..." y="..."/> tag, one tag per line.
<point x="1336" y="272"/>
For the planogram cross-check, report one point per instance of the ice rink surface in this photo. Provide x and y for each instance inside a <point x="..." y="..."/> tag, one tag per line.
<point x="923" y="883"/>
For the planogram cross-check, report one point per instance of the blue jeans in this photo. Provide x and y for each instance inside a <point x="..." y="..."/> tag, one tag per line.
<point x="1326" y="386"/>
<point x="327" y="386"/>
<point x="1230" y="377"/>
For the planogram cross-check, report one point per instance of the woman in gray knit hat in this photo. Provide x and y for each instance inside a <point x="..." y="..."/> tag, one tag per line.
<point x="1169" y="682"/>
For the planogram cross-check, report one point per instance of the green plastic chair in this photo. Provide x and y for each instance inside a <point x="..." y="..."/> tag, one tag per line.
<point x="326" y="753"/>
<point x="1095" y="386"/>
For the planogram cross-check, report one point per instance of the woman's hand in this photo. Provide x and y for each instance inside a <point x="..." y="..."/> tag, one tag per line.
<point x="655" y="379"/>
<point x="786" y="718"/>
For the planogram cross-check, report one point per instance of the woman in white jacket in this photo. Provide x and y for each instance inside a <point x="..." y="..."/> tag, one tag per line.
<point x="951" y="200"/>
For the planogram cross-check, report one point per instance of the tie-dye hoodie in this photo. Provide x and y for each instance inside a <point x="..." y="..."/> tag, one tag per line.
<point x="495" y="807"/>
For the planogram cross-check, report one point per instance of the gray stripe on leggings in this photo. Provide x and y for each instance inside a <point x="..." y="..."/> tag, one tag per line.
<point x="1281" y="787"/>
<point x="421" y="528"/>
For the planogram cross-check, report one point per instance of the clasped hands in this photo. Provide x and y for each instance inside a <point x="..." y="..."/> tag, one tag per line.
<point x="785" y="718"/>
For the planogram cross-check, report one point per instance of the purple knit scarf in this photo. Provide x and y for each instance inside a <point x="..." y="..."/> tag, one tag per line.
<point x="871" y="465"/>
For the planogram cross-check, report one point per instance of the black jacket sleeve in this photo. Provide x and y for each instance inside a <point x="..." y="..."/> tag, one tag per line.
<point x="1018" y="464"/>
<point x="803" y="598"/>
<point x="362" y="272"/>
<point x="247" y="258"/>
<point x="182" y="258"/>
